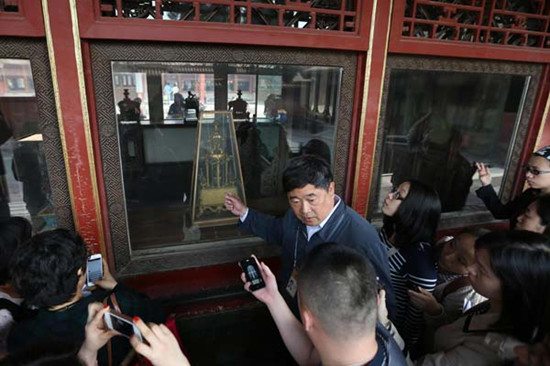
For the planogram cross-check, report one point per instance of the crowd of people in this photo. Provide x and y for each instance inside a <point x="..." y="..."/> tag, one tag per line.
<point x="347" y="293"/>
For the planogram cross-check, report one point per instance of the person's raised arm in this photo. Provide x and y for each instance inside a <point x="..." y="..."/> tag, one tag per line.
<point x="292" y="332"/>
<point x="484" y="174"/>
<point x="97" y="334"/>
<point x="490" y="198"/>
<point x="234" y="205"/>
<point x="267" y="227"/>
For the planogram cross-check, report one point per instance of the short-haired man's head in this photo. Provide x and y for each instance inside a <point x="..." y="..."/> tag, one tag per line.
<point x="45" y="269"/>
<point x="307" y="169"/>
<point x="338" y="286"/>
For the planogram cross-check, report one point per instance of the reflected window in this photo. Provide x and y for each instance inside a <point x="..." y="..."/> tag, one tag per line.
<point x="242" y="87"/>
<point x="177" y="87"/>
<point x="271" y="107"/>
<point x="439" y="123"/>
<point x="24" y="184"/>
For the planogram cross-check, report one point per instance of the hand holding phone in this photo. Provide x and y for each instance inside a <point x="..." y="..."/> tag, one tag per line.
<point x="161" y="347"/>
<point x="123" y="324"/>
<point x="94" y="271"/>
<point x="252" y="273"/>
<point x="97" y="333"/>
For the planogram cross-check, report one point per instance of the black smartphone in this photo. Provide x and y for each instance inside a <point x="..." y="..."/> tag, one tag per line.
<point x="252" y="273"/>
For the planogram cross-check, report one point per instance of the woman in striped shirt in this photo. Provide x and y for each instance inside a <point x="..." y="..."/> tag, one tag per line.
<point x="411" y="214"/>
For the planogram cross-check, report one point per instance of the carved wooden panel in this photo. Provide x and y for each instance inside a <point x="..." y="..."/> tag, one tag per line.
<point x="500" y="22"/>
<point x="9" y="7"/>
<point x="328" y="15"/>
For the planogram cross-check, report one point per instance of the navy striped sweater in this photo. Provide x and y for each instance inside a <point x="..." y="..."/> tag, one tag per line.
<point x="410" y="267"/>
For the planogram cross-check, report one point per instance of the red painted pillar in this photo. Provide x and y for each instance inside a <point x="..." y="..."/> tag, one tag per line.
<point x="372" y="92"/>
<point x="63" y="39"/>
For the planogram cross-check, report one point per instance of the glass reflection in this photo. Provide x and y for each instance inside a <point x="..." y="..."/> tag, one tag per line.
<point x="439" y="123"/>
<point x="276" y="115"/>
<point x="24" y="184"/>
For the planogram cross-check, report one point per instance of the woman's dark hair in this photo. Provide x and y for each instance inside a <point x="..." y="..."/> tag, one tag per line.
<point x="543" y="210"/>
<point x="521" y="261"/>
<point x="307" y="169"/>
<point x="44" y="269"/>
<point x="13" y="232"/>
<point x="417" y="217"/>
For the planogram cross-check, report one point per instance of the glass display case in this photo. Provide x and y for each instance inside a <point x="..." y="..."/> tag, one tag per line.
<point x="24" y="182"/>
<point x="266" y="114"/>
<point x="440" y="118"/>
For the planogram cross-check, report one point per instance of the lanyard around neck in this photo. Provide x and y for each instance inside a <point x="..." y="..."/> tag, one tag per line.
<point x="296" y="246"/>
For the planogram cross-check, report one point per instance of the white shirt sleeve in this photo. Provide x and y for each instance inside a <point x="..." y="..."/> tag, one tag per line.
<point x="244" y="215"/>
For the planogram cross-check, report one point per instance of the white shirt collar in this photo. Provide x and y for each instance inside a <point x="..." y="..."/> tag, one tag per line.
<point x="338" y="200"/>
<point x="313" y="229"/>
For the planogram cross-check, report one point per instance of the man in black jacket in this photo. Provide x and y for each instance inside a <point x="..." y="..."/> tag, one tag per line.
<point x="316" y="216"/>
<point x="338" y="301"/>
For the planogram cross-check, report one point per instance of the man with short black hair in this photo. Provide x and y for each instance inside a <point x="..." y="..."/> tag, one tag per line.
<point x="337" y="295"/>
<point x="316" y="216"/>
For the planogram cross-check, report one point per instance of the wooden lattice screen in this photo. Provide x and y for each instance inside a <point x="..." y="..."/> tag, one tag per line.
<point x="9" y="7"/>
<point x="331" y="15"/>
<point x="522" y="23"/>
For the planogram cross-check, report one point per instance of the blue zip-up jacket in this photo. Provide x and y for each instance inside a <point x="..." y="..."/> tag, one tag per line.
<point x="345" y="227"/>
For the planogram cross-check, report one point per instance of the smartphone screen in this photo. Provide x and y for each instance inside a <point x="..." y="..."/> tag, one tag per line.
<point x="252" y="273"/>
<point x="122" y="325"/>
<point x="95" y="269"/>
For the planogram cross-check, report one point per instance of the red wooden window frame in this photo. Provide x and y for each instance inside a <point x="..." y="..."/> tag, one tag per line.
<point x="453" y="48"/>
<point x="27" y="22"/>
<point x="94" y="26"/>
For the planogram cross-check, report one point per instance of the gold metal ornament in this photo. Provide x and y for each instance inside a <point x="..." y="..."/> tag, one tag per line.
<point x="217" y="170"/>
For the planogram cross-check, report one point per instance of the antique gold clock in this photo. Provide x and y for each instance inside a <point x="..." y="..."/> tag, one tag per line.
<point x="217" y="169"/>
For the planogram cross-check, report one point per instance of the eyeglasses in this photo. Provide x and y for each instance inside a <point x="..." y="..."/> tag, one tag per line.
<point x="396" y="194"/>
<point x="534" y="171"/>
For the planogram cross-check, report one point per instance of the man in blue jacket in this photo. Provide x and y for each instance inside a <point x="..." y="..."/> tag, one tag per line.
<point x="316" y="216"/>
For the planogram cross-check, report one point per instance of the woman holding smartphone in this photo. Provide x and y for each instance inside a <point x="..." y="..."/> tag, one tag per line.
<point x="49" y="272"/>
<point x="537" y="177"/>
<point x="411" y="214"/>
<point x="512" y="270"/>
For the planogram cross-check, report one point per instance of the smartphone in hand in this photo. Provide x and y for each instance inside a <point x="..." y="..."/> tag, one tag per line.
<point x="123" y="324"/>
<point x="252" y="273"/>
<point x="94" y="271"/>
